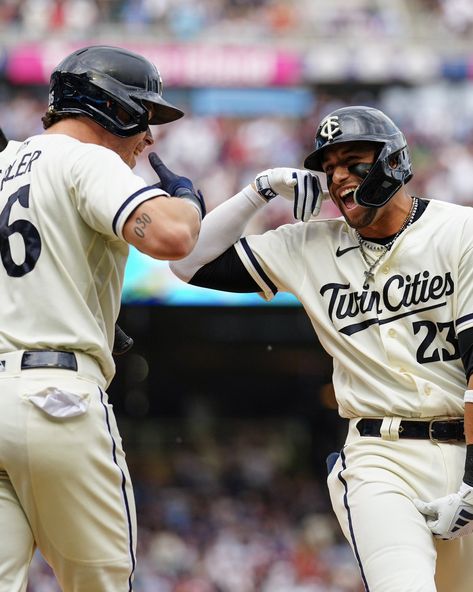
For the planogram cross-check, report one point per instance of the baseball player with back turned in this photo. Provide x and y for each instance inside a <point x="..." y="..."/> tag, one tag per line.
<point x="69" y="207"/>
<point x="122" y="342"/>
<point x="388" y="287"/>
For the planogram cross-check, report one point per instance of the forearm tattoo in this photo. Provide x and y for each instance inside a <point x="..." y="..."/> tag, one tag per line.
<point x="140" y="224"/>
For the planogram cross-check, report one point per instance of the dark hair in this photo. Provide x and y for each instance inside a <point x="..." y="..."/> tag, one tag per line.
<point x="51" y="117"/>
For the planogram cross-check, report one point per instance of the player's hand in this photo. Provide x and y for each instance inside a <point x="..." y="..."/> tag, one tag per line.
<point x="299" y="186"/>
<point x="451" y="516"/>
<point x="177" y="185"/>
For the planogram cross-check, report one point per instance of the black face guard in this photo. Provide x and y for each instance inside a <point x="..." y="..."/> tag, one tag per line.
<point x="382" y="180"/>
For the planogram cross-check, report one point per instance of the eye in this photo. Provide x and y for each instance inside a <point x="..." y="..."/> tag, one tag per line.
<point x="360" y="169"/>
<point x="328" y="170"/>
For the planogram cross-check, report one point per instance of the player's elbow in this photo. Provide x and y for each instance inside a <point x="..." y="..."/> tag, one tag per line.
<point x="183" y="243"/>
<point x="173" y="244"/>
<point x="179" y="269"/>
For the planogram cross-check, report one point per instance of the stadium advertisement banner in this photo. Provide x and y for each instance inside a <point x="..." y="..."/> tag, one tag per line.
<point x="187" y="66"/>
<point x="205" y="65"/>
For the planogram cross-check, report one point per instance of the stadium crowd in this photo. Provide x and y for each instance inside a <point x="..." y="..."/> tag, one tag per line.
<point x="184" y="19"/>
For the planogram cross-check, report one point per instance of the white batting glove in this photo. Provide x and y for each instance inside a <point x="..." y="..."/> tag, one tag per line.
<point x="299" y="186"/>
<point x="451" y="516"/>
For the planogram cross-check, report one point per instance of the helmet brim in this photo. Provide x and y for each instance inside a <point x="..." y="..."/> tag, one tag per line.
<point x="313" y="161"/>
<point x="163" y="112"/>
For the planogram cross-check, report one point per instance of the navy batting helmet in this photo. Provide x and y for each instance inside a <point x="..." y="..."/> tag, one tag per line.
<point x="115" y="87"/>
<point x="392" y="167"/>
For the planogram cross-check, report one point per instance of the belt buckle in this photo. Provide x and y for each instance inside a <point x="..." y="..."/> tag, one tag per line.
<point x="447" y="421"/>
<point x="431" y="430"/>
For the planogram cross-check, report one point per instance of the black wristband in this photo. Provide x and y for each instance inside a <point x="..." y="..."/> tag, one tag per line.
<point x="468" y="477"/>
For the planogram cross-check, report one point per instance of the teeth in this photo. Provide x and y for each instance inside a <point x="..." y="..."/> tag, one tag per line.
<point x="345" y="192"/>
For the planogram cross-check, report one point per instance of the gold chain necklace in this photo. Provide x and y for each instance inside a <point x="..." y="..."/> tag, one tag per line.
<point x="369" y="273"/>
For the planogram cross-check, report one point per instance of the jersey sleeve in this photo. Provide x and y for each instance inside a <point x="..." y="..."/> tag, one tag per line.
<point x="273" y="259"/>
<point x="106" y="190"/>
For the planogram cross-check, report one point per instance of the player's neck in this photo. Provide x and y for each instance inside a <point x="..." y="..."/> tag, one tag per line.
<point x="389" y="219"/>
<point x="82" y="129"/>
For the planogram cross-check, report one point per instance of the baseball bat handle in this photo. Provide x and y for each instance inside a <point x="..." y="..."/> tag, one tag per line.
<point x="122" y="343"/>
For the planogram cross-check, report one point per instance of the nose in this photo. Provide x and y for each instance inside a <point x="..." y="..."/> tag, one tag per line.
<point x="339" y="174"/>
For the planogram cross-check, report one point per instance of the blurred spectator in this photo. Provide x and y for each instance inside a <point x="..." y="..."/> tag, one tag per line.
<point x="458" y="15"/>
<point x="184" y="19"/>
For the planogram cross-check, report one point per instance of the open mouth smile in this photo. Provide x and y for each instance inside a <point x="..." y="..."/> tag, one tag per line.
<point x="347" y="197"/>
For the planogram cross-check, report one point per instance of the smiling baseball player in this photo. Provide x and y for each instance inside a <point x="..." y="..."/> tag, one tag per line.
<point x="388" y="287"/>
<point x="70" y="205"/>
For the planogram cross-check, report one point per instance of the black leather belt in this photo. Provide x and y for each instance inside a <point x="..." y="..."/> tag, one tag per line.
<point x="48" y="359"/>
<point x="440" y="430"/>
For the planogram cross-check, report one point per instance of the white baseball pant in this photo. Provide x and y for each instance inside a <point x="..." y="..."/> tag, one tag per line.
<point x="64" y="483"/>
<point x="372" y="485"/>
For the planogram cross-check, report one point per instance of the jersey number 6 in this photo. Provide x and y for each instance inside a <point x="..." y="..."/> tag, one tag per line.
<point x="28" y="232"/>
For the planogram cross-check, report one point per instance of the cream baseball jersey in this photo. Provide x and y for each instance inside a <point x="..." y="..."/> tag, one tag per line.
<point x="63" y="205"/>
<point x="389" y="341"/>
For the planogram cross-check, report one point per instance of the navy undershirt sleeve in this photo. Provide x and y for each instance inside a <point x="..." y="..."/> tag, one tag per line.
<point x="226" y="273"/>
<point x="465" y="344"/>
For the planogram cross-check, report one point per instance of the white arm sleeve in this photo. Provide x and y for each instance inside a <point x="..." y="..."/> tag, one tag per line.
<point x="220" y="229"/>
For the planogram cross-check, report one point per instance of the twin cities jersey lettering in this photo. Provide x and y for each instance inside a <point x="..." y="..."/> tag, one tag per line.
<point x="420" y="299"/>
<point x="402" y="296"/>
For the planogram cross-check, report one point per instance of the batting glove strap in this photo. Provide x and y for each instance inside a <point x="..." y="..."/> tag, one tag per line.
<point x="299" y="186"/>
<point x="194" y="197"/>
<point x="264" y="188"/>
<point x="451" y="516"/>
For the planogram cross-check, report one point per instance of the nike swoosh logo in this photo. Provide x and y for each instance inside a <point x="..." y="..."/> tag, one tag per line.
<point x="341" y="252"/>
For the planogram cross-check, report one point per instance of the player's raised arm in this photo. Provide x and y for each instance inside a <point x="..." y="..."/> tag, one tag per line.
<point x="167" y="227"/>
<point x="214" y="263"/>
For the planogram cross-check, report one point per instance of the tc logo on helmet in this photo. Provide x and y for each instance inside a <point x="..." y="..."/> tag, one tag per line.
<point x="330" y="128"/>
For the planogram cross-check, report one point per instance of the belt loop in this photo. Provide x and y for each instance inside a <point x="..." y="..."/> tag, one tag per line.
<point x="389" y="429"/>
